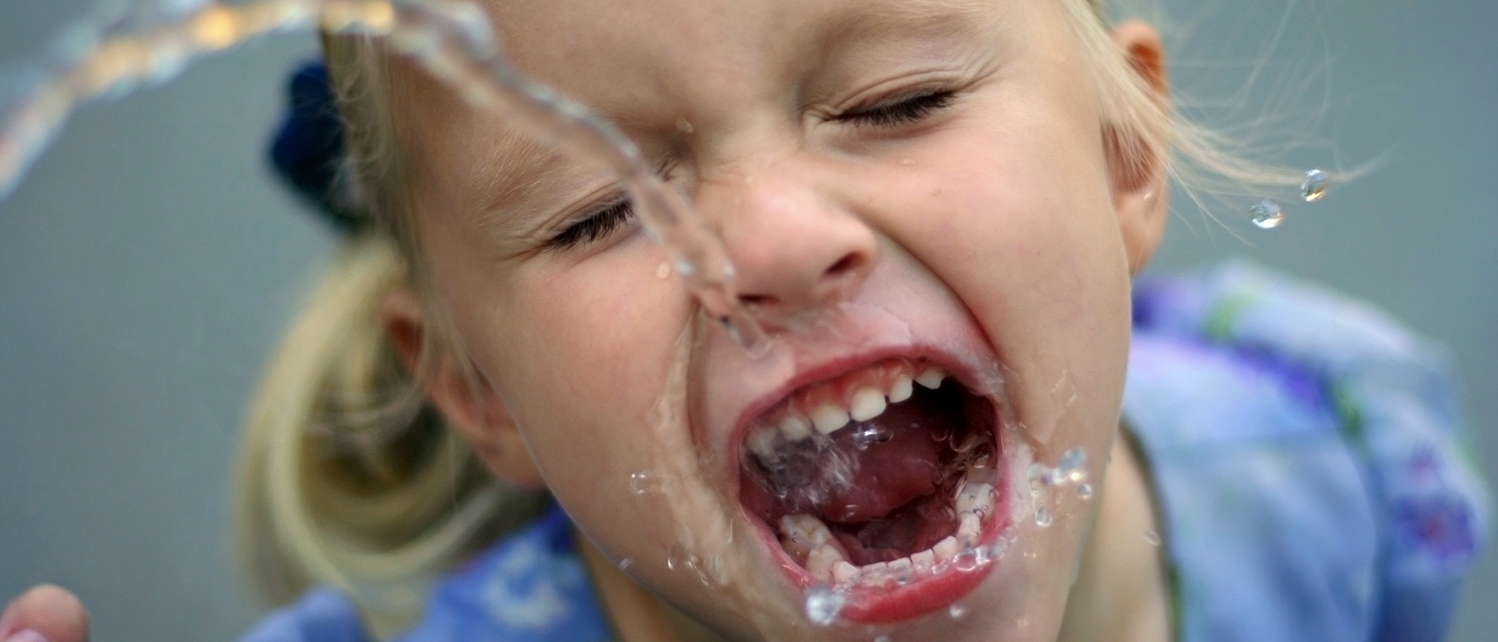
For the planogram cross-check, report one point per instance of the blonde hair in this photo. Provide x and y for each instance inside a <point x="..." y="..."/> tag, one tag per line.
<point x="347" y="478"/>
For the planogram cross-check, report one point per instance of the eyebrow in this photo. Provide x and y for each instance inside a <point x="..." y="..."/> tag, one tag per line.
<point x="515" y="165"/>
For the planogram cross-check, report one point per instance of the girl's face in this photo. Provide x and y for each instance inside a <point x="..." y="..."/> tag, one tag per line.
<point x="909" y="190"/>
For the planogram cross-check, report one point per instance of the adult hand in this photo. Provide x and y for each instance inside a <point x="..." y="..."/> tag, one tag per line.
<point x="44" y="614"/>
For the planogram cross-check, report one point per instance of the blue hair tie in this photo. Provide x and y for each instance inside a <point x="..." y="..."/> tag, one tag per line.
<point x="308" y="148"/>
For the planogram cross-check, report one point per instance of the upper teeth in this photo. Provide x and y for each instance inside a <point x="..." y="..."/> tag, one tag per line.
<point x="830" y="416"/>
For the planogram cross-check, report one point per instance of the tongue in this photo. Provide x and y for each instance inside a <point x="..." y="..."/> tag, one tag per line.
<point x="884" y="477"/>
<point x="889" y="475"/>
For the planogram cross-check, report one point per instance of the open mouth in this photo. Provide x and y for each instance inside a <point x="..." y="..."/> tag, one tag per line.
<point x="876" y="480"/>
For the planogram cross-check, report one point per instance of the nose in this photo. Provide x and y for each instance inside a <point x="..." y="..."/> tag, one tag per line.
<point x="794" y="244"/>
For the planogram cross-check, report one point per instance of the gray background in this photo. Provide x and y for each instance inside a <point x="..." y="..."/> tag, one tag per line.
<point x="148" y="264"/>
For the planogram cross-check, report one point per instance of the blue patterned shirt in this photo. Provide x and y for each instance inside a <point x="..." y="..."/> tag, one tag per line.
<point x="1306" y="453"/>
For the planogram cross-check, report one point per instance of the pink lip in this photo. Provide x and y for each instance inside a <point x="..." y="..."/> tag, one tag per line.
<point x="871" y="605"/>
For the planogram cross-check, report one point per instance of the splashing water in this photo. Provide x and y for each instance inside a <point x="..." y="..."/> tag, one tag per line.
<point x="123" y="48"/>
<point x="824" y="605"/>
<point x="1267" y="214"/>
<point x="1046" y="482"/>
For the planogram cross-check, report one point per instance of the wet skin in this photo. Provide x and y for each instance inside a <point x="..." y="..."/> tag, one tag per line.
<point x="890" y="178"/>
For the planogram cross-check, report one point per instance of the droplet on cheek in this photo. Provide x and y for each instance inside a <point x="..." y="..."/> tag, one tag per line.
<point x="641" y="482"/>
<point x="663" y="271"/>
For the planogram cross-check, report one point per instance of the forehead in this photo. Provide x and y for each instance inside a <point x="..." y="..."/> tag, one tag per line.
<point x="648" y="64"/>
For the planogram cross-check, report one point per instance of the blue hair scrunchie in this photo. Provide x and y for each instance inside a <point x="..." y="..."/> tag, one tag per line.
<point x="307" y="150"/>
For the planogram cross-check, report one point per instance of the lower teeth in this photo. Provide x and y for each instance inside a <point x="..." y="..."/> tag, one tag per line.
<point x="810" y="541"/>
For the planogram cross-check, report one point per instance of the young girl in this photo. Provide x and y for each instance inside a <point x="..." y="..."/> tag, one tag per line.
<point x="934" y="208"/>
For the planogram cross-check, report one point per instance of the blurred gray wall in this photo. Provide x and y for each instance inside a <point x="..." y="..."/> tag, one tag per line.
<point x="148" y="264"/>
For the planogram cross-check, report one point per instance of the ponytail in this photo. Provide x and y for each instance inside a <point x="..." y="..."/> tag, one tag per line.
<point x="346" y="476"/>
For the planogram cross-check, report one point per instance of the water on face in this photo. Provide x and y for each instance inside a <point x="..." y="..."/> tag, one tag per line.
<point x="125" y="47"/>
<point x="144" y="44"/>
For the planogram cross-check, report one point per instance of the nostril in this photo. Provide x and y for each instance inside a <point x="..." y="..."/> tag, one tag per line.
<point x="756" y="300"/>
<point x="846" y="265"/>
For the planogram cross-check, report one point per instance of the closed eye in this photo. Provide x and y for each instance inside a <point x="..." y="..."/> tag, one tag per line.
<point x="593" y="228"/>
<point x="900" y="112"/>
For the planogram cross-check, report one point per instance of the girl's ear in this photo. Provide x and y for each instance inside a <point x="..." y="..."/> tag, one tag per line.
<point x="470" y="407"/>
<point x="1140" y="180"/>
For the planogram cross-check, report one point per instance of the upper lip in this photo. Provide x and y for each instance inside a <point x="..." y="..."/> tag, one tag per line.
<point x="824" y="364"/>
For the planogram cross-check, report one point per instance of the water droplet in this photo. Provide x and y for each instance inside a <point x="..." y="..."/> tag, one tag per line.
<point x="642" y="482"/>
<point x="1042" y="517"/>
<point x="957" y="611"/>
<point x="1084" y="492"/>
<point x="870" y="434"/>
<point x="626" y="563"/>
<point x="970" y="560"/>
<point x="1073" y="465"/>
<point x="663" y="270"/>
<point x="1315" y="185"/>
<point x="684" y="126"/>
<point x="1152" y="538"/>
<point x="823" y="605"/>
<point x="907" y="161"/>
<point x="884" y="638"/>
<point x="1267" y="214"/>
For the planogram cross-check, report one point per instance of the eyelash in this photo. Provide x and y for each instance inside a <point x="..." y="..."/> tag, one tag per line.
<point x="599" y="225"/>
<point x="901" y="112"/>
<point x="596" y="226"/>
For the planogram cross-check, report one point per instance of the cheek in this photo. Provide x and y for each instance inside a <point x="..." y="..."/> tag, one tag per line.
<point x="1018" y="222"/>
<point x="580" y="356"/>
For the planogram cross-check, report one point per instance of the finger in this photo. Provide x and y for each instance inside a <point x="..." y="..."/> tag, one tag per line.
<point x="47" y="611"/>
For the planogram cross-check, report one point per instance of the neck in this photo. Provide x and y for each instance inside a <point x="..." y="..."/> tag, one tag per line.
<point x="635" y="614"/>
<point x="1122" y="592"/>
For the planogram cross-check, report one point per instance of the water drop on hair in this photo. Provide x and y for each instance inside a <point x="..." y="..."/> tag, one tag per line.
<point x="1267" y="214"/>
<point x="823" y="605"/>
<point x="1152" y="538"/>
<point x="1315" y="185"/>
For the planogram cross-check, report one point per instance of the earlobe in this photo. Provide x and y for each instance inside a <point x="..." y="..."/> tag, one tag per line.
<point x="470" y="407"/>
<point x="1137" y="160"/>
